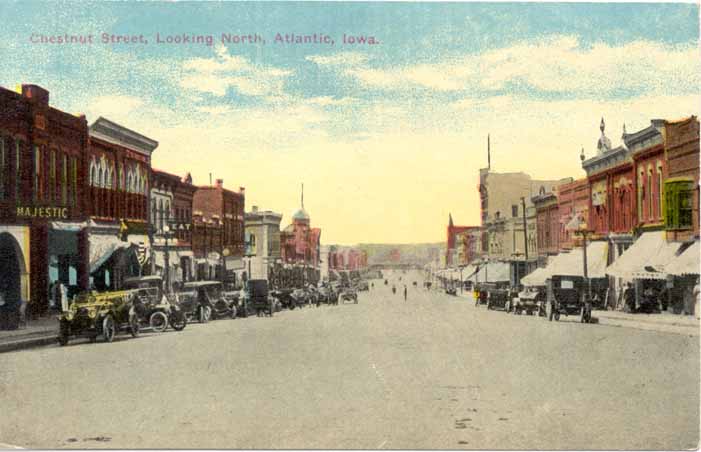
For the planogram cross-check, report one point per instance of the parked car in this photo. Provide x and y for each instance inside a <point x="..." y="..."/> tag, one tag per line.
<point x="363" y="285"/>
<point x="301" y="298"/>
<point x="349" y="294"/>
<point x="205" y="300"/>
<point x="498" y="295"/>
<point x="99" y="315"/>
<point x="284" y="296"/>
<point x="529" y="301"/>
<point x="260" y="300"/>
<point x="568" y="298"/>
<point x="152" y="306"/>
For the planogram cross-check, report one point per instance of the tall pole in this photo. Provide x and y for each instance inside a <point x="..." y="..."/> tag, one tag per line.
<point x="586" y="273"/>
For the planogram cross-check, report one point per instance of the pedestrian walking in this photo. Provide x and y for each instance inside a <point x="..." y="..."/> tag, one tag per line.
<point x="394" y="289"/>
<point x="404" y="292"/>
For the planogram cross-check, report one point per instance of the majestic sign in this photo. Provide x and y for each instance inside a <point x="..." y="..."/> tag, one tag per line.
<point x="52" y="213"/>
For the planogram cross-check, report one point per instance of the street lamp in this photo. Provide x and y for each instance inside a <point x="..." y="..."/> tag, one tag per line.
<point x="249" y="246"/>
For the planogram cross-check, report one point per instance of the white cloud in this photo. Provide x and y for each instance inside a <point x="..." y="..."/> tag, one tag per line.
<point x="339" y="59"/>
<point x="115" y="105"/>
<point x="329" y="101"/>
<point x="218" y="74"/>
<point x="555" y="64"/>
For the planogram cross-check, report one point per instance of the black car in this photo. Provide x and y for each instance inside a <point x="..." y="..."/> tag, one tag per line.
<point x="205" y="300"/>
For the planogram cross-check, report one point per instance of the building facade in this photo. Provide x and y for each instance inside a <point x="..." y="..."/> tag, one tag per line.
<point x="118" y="184"/>
<point x="263" y="241"/>
<point x="300" y="245"/>
<point x="43" y="236"/>
<point x="171" y="226"/>
<point x="218" y="232"/>
<point x="681" y="201"/>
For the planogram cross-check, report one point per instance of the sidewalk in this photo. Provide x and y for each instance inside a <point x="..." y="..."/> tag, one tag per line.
<point x="41" y="331"/>
<point x="665" y="322"/>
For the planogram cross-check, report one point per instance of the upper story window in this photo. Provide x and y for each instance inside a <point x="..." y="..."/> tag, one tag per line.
<point x="679" y="201"/>
<point x="514" y="210"/>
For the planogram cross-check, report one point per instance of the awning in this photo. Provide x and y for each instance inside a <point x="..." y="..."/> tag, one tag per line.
<point x="102" y="246"/>
<point x="686" y="263"/>
<point x="535" y="278"/>
<point x="185" y="253"/>
<point x="646" y="258"/>
<point x="468" y="271"/>
<point x="572" y="263"/>
<point x="68" y="226"/>
<point x="492" y="272"/>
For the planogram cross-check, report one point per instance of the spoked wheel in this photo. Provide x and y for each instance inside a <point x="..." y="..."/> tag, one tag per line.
<point x="158" y="321"/>
<point x="134" y="327"/>
<point x="204" y="314"/>
<point x="557" y="316"/>
<point x="109" y="329"/>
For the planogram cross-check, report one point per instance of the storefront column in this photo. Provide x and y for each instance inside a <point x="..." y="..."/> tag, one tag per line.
<point x="39" y="269"/>
<point x="64" y="265"/>
<point x="83" y="268"/>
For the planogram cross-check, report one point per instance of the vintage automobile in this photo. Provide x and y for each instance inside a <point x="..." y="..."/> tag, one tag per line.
<point x="301" y="298"/>
<point x="94" y="315"/>
<point x="498" y="295"/>
<point x="349" y="294"/>
<point x="569" y="299"/>
<point x="284" y="297"/>
<point x="363" y="285"/>
<point x="204" y="300"/>
<point x="152" y="306"/>
<point x="260" y="300"/>
<point x="529" y="301"/>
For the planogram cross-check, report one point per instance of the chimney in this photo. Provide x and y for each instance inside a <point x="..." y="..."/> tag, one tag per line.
<point x="220" y="183"/>
<point x="254" y="208"/>
<point x="242" y="190"/>
<point x="36" y="93"/>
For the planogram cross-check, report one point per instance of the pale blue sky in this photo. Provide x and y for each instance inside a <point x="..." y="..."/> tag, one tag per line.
<point x="393" y="130"/>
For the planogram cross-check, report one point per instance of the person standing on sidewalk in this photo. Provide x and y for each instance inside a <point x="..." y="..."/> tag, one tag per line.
<point x="697" y="299"/>
<point x="63" y="293"/>
<point x="404" y="292"/>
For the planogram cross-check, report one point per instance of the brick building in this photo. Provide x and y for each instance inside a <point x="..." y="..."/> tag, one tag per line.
<point x="171" y="225"/>
<point x="681" y="203"/>
<point x="456" y="243"/>
<point x="218" y="232"/>
<point x="300" y="245"/>
<point x="547" y="224"/>
<point x="572" y="203"/>
<point x="118" y="186"/>
<point x="43" y="156"/>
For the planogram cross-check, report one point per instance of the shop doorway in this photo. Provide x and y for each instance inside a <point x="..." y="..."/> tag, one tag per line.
<point x="12" y="265"/>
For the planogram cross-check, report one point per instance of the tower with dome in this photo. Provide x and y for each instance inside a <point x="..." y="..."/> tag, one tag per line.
<point x="300" y="245"/>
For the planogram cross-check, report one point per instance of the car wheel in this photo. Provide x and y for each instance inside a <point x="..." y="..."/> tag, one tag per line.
<point x="64" y="333"/>
<point x="557" y="316"/>
<point x="158" y="321"/>
<point x="134" y="327"/>
<point x="204" y="314"/>
<point x="109" y="329"/>
<point x="178" y="320"/>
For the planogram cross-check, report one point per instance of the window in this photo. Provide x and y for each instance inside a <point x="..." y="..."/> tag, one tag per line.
<point x="52" y="176"/>
<point x="658" y="214"/>
<point x="641" y="190"/>
<point x="74" y="181"/>
<point x="679" y="198"/>
<point x="649" y="191"/>
<point x="18" y="169"/>
<point x="37" y="173"/>
<point x="64" y="180"/>
<point x="514" y="210"/>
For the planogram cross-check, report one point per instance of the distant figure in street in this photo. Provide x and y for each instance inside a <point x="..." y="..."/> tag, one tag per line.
<point x="394" y="289"/>
<point x="404" y="292"/>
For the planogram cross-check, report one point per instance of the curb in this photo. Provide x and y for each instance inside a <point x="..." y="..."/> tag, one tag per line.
<point x="21" y="344"/>
<point x="647" y="321"/>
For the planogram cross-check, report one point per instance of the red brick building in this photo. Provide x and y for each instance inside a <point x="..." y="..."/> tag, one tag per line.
<point x="118" y="187"/>
<point x="547" y="225"/>
<point x="681" y="202"/>
<point x="43" y="155"/>
<point x="457" y="251"/>
<point x="171" y="205"/>
<point x="573" y="202"/>
<point x="218" y="231"/>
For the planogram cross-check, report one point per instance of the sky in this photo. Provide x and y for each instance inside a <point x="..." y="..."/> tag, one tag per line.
<point x="387" y="138"/>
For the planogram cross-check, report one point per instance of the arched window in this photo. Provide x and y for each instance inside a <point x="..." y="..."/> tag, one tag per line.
<point x="160" y="214"/>
<point x="92" y="173"/>
<point x="659" y="189"/>
<point x="99" y="177"/>
<point x="649" y="191"/>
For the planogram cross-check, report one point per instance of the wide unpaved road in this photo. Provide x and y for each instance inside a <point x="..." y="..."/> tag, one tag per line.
<point x="431" y="372"/>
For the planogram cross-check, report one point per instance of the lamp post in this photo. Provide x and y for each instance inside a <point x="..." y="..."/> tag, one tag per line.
<point x="586" y="314"/>
<point x="249" y="246"/>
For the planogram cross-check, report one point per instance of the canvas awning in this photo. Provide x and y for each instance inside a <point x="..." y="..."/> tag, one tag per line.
<point x="492" y="272"/>
<point x="687" y="263"/>
<point x="572" y="263"/>
<point x="102" y="246"/>
<point x="646" y="258"/>
<point x="535" y="278"/>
